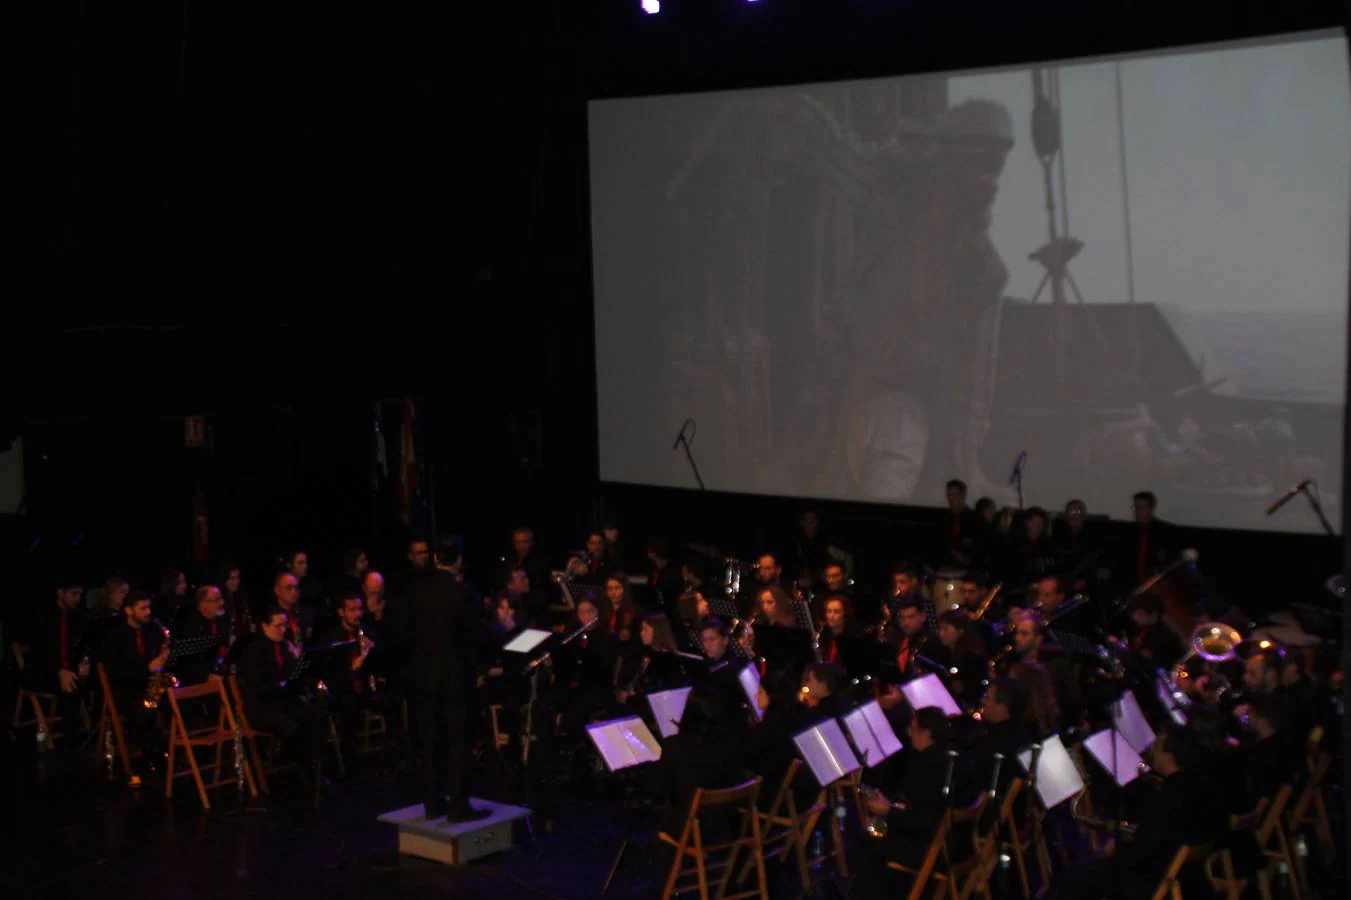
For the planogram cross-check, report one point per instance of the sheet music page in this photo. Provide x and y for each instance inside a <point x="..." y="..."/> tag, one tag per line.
<point x="929" y="690"/>
<point x="750" y="683"/>
<point x="862" y="734"/>
<point x="612" y="746"/>
<point x="1057" y="779"/>
<point x="881" y="728"/>
<point x="838" y="746"/>
<point x="1130" y="721"/>
<point x="667" y="709"/>
<point x="813" y="749"/>
<point x="526" y="641"/>
<point x="640" y="740"/>
<point x="1128" y="762"/>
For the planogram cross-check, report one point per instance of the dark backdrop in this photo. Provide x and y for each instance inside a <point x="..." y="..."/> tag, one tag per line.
<point x="277" y="215"/>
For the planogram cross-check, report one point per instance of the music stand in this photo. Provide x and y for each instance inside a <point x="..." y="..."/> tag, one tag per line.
<point x="1115" y="754"/>
<point x="871" y="734"/>
<point x="317" y="657"/>
<point x="827" y="752"/>
<point x="190" y="648"/>
<point x="1054" y="777"/>
<point x="1129" y="720"/>
<point x="929" y="690"/>
<point x="749" y="679"/>
<point x="668" y="707"/>
<point x="623" y="744"/>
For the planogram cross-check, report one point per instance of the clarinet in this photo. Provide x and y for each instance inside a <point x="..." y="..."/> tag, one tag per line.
<point x="642" y="670"/>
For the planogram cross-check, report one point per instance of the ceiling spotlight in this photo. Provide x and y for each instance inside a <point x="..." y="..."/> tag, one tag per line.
<point x="651" y="7"/>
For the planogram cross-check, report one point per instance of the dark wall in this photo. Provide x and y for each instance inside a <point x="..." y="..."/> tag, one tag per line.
<point x="278" y="214"/>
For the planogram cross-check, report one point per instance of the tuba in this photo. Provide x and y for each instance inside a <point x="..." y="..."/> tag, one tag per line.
<point x="160" y="682"/>
<point x="1211" y="643"/>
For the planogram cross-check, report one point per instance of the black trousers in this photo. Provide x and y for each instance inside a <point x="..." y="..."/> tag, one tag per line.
<point x="444" y="739"/>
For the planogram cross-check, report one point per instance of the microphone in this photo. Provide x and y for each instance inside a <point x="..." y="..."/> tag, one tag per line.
<point x="1018" y="466"/>
<point x="1186" y="557"/>
<point x="680" y="435"/>
<point x="994" y="775"/>
<point x="1289" y="495"/>
<point x="947" y="776"/>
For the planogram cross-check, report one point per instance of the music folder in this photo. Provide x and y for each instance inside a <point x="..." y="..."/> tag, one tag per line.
<point x="750" y="685"/>
<point x="527" y="640"/>
<point x="1130" y="721"/>
<point x="667" y="708"/>
<point x="1057" y="778"/>
<point x="624" y="743"/>
<point x="1128" y="762"/>
<point x="1175" y="702"/>
<point x="826" y="752"/>
<point x="929" y="690"/>
<point x="872" y="734"/>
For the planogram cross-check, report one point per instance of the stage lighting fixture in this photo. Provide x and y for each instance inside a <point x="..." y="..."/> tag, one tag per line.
<point x="651" y="7"/>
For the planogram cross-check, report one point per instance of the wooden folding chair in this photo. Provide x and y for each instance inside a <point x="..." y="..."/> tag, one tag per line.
<point x="1310" y="809"/>
<point x="217" y="736"/>
<point x="42" y="718"/>
<point x="1018" y="840"/>
<point x="785" y="829"/>
<point x="1265" y="824"/>
<point x="265" y="763"/>
<point x="110" y="727"/>
<point x="695" y="858"/>
<point x="971" y="874"/>
<point x="928" y="869"/>
<point x="1170" y="887"/>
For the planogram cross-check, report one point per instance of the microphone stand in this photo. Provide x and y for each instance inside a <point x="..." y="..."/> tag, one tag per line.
<point x="1318" y="511"/>
<point x="684" y="443"/>
<point x="947" y="799"/>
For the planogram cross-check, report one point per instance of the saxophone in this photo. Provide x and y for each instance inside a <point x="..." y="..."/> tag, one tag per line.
<point x="160" y="682"/>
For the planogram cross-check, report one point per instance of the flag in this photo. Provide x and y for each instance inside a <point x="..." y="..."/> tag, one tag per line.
<point x="413" y="488"/>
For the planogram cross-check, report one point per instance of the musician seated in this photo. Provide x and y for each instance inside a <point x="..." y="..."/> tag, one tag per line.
<point x="130" y="654"/>
<point x="961" y="652"/>
<point x="1040" y="684"/>
<point x="1002" y="710"/>
<point x="915" y="816"/>
<point x="769" y="748"/>
<point x="206" y="618"/>
<point x="774" y="607"/>
<point x="975" y="588"/>
<point x="652" y="666"/>
<point x="909" y="634"/>
<point x="583" y="672"/>
<point x="299" y="617"/>
<point x="1275" y="756"/>
<point x="1151" y="638"/>
<point x="704" y="754"/>
<point x="1186" y="810"/>
<point x="623" y="614"/>
<point x="272" y="702"/>
<point x="351" y="688"/>
<point x="52" y="664"/>
<point x="839" y="625"/>
<point x="823" y="692"/>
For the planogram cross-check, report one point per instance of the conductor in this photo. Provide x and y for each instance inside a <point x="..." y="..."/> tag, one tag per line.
<point x="440" y="632"/>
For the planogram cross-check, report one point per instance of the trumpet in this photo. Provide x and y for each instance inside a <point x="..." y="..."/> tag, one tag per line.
<point x="873" y="826"/>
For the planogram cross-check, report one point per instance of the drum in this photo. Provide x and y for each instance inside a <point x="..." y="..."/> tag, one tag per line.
<point x="945" y="590"/>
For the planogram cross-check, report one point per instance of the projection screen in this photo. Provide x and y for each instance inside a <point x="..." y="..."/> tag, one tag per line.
<point x="856" y="290"/>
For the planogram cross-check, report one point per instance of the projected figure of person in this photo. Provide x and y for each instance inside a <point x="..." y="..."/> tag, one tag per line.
<point x="917" y="402"/>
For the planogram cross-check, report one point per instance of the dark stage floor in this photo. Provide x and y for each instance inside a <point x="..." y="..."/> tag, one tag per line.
<point x="78" y="835"/>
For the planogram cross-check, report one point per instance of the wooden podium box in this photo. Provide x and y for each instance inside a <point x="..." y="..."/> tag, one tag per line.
<point x="455" y="843"/>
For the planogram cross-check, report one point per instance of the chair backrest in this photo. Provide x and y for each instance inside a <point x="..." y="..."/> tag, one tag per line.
<point x="237" y="700"/>
<point x="193" y="691"/>
<point x="1184" y="855"/>
<point x="1011" y="797"/>
<point x="104" y="684"/>
<point x="1271" y="816"/>
<point x="744" y="793"/>
<point x="18" y="650"/>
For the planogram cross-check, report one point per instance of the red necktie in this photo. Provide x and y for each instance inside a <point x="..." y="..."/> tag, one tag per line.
<point x="65" y="641"/>
<point x="276" y="650"/>
<point x="140" y="643"/>
<point x="213" y="626"/>
<point x="833" y="652"/>
<point x="903" y="656"/>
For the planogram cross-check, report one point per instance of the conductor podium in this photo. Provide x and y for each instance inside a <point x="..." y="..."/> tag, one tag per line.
<point x="455" y="843"/>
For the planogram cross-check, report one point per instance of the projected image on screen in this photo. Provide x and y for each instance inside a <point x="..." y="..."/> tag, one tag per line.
<point x="857" y="290"/>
